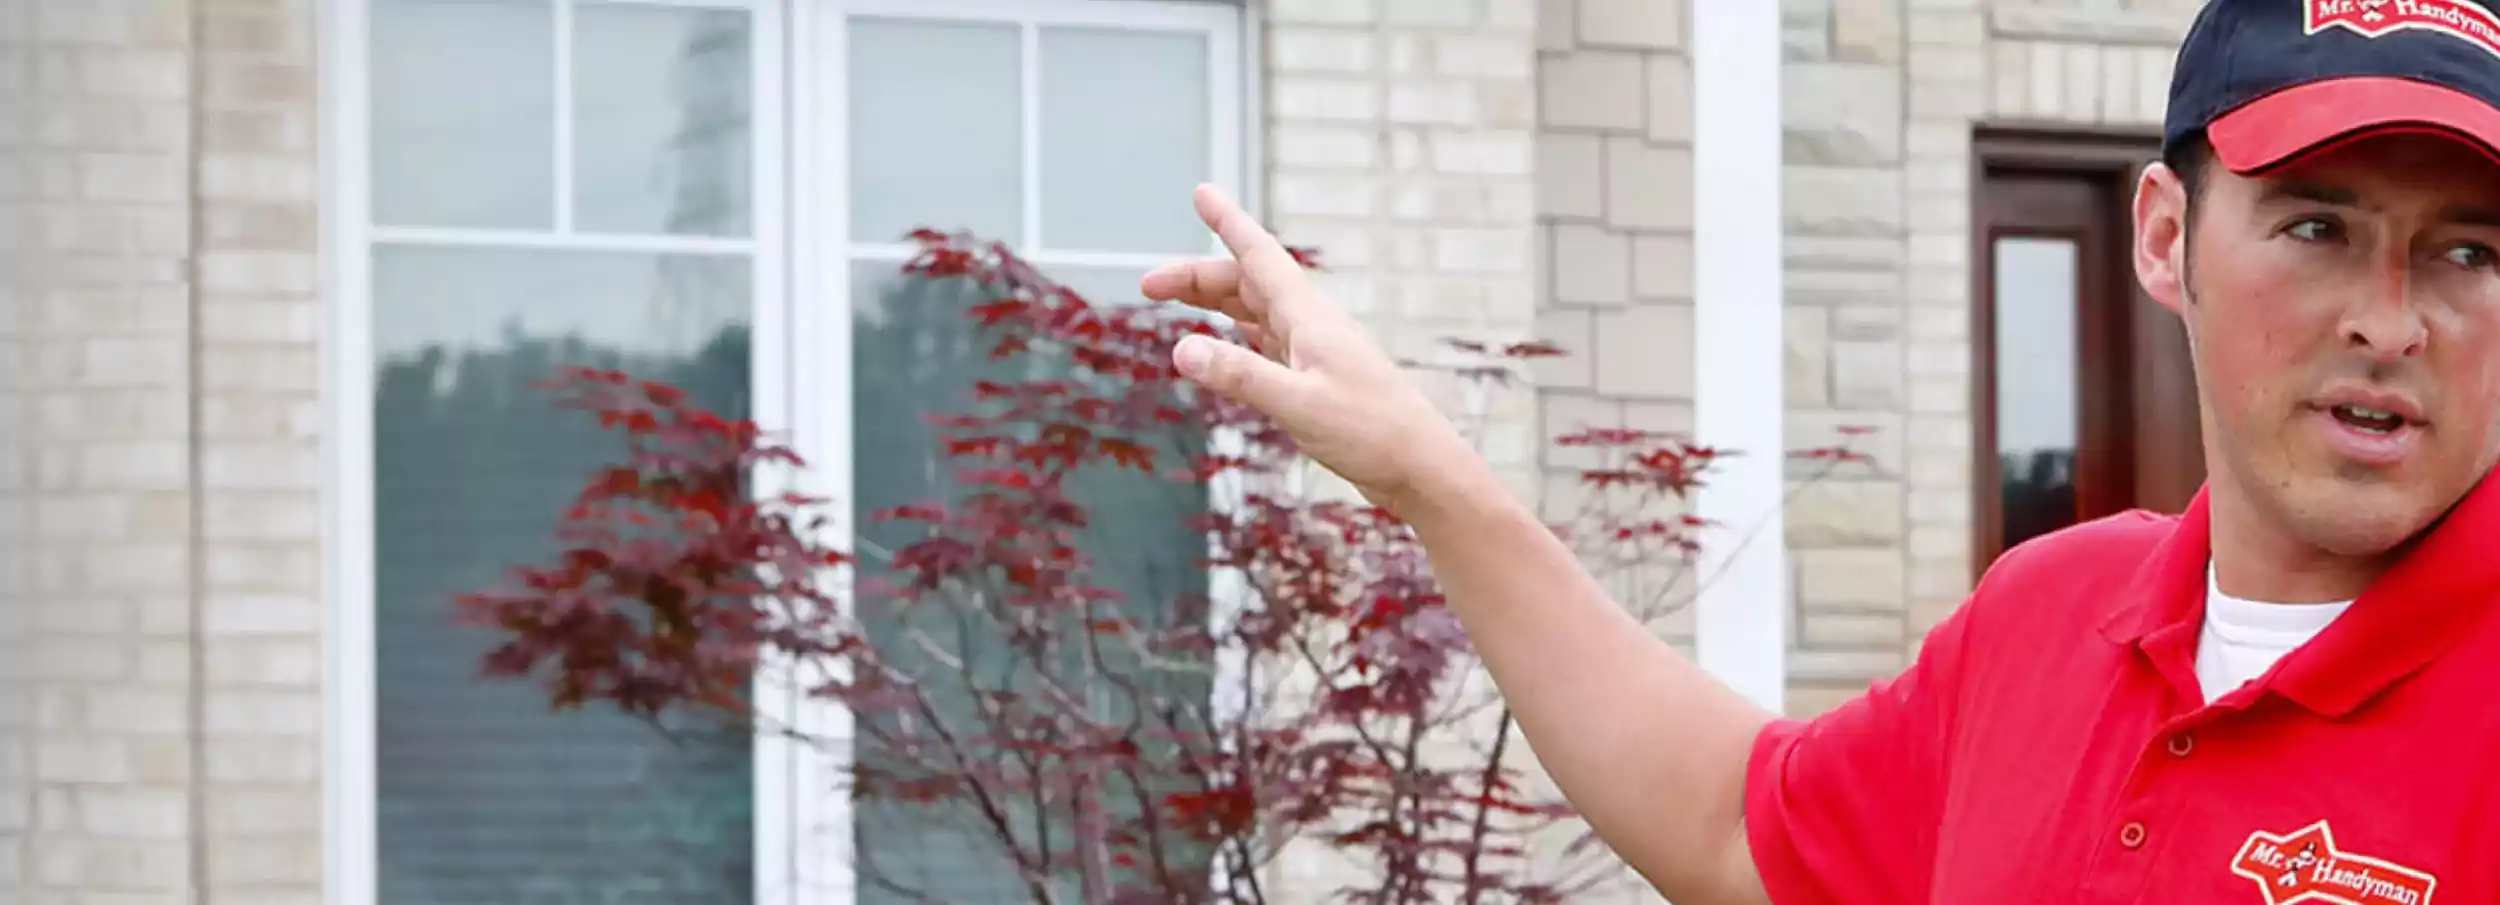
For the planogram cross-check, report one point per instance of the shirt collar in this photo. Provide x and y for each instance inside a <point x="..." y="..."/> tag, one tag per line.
<point x="2423" y="605"/>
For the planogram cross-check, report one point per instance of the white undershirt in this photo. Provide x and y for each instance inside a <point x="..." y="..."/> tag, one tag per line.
<point x="2243" y="638"/>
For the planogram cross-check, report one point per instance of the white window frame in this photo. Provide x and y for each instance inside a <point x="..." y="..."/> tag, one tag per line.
<point x="800" y="297"/>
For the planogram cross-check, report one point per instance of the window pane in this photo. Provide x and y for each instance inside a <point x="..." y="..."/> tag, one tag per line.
<point x="936" y="130"/>
<point x="463" y="112"/>
<point x="485" y="794"/>
<point x="2036" y="397"/>
<point x="662" y="106"/>
<point x="1124" y="138"/>
<point x="916" y="352"/>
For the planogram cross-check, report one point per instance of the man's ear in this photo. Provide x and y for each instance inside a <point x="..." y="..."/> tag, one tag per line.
<point x="2161" y="225"/>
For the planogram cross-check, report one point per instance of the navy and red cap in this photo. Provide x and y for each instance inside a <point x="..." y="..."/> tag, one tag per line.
<point x="2269" y="81"/>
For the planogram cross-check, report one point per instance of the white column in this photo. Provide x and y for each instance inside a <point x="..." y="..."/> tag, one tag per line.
<point x="1742" y="613"/>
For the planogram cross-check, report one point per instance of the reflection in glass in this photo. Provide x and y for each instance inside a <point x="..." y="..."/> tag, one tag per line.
<point x="463" y="107"/>
<point x="917" y="353"/>
<point x="662" y="106"/>
<point x="2037" y="421"/>
<point x="936" y="129"/>
<point x="484" y="794"/>
<point x="1124" y="132"/>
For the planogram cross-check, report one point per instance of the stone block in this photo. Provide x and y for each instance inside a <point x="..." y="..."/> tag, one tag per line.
<point x="1806" y="341"/>
<point x="1852" y="579"/>
<point x="1591" y="265"/>
<point x="1644" y="24"/>
<point x="1841" y="114"/>
<point x="1867" y="31"/>
<point x="1844" y="513"/>
<point x="1662" y="267"/>
<point x="1592" y="89"/>
<point x="1843" y="201"/>
<point x="1570" y="175"/>
<point x="2081" y="102"/>
<point x="1331" y="12"/>
<point x="1569" y="328"/>
<point x="1645" y="351"/>
<point x="1295" y="48"/>
<point x="1867" y="375"/>
<point x="1825" y="666"/>
<point x="1556" y="25"/>
<point x="2009" y="79"/>
<point x="1854" y="631"/>
<point x="1805" y="29"/>
<point x="1326" y="98"/>
<point x="1879" y="437"/>
<point x="1670" y="93"/>
<point x="1491" y="57"/>
<point x="1434" y="103"/>
<point x="1647" y="186"/>
<point x="1564" y="414"/>
<point x="1866" y="322"/>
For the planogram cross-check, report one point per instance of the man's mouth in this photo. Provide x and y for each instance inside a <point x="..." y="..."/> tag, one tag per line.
<point x="2379" y="421"/>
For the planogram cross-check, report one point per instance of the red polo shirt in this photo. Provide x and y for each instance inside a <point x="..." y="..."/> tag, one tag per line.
<point x="2051" y="745"/>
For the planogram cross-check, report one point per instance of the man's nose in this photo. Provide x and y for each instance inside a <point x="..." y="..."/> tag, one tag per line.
<point x="2386" y="320"/>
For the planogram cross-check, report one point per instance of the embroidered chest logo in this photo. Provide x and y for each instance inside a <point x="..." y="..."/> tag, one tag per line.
<point x="2378" y="18"/>
<point x="2305" y="866"/>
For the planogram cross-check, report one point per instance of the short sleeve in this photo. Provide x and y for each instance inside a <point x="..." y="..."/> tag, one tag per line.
<point x="1843" y="808"/>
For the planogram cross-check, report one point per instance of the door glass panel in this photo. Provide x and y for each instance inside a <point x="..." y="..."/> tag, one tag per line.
<point x="2037" y="417"/>
<point x="484" y="793"/>
<point x="1124" y="133"/>
<point x="663" y="122"/>
<point x="936" y="129"/>
<point x="463" y="113"/>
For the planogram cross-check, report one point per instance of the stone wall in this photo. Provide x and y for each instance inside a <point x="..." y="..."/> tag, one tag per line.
<point x="1615" y="240"/>
<point x="1883" y="97"/>
<point x="159" y="555"/>
<point x="1400" y="141"/>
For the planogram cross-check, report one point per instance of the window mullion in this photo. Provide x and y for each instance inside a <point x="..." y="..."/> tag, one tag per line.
<point x="563" y="60"/>
<point x="1030" y="57"/>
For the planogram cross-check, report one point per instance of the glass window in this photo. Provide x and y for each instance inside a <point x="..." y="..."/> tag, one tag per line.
<point x="1126" y="125"/>
<point x="2036" y="396"/>
<point x="484" y="277"/>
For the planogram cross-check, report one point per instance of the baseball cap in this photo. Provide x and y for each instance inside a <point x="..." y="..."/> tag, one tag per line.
<point x="2270" y="81"/>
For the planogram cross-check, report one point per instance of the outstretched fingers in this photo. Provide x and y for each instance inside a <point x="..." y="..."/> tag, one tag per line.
<point x="1271" y="276"/>
<point x="1213" y="284"/>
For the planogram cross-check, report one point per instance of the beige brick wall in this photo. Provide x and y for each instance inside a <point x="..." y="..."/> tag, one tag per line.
<point x="1615" y="245"/>
<point x="1882" y="99"/>
<point x="158" y="722"/>
<point x="1400" y="140"/>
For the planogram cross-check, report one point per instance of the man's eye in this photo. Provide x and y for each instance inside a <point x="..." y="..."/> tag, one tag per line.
<point x="2473" y="256"/>
<point x="2315" y="229"/>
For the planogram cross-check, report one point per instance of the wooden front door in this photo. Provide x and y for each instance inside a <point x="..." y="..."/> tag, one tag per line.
<point x="2084" y="397"/>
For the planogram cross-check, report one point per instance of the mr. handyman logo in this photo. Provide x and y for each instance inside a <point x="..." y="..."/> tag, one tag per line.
<point x="2461" y="19"/>
<point x="2305" y="866"/>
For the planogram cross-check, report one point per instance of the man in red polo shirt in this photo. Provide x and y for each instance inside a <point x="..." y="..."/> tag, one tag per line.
<point x="2283" y="695"/>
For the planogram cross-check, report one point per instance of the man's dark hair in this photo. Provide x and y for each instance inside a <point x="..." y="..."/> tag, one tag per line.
<point x="2189" y="157"/>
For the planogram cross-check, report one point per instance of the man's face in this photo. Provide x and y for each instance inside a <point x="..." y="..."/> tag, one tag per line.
<point x="2344" y="313"/>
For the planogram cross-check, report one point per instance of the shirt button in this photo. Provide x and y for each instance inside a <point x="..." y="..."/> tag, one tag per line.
<point x="2131" y="835"/>
<point x="2181" y="744"/>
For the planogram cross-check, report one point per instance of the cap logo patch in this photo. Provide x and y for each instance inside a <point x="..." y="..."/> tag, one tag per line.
<point x="2379" y="18"/>
<point x="2306" y="866"/>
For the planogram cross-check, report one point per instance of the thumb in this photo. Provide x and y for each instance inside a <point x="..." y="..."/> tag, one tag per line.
<point x="1240" y="374"/>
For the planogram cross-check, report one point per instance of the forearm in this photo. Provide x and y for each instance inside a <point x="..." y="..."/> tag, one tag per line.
<point x="1649" y="749"/>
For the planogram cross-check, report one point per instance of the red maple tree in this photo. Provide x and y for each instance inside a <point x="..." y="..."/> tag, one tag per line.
<point x="1313" y="690"/>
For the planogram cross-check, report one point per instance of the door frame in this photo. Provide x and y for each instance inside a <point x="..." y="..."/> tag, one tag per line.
<point x="2110" y="159"/>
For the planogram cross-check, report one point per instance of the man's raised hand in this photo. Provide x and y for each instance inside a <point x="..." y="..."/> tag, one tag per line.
<point x="1315" y="372"/>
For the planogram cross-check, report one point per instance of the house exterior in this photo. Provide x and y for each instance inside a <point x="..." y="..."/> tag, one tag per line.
<point x="271" y="269"/>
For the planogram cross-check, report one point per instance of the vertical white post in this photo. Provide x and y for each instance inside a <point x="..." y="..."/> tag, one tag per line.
<point x="1742" y="613"/>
